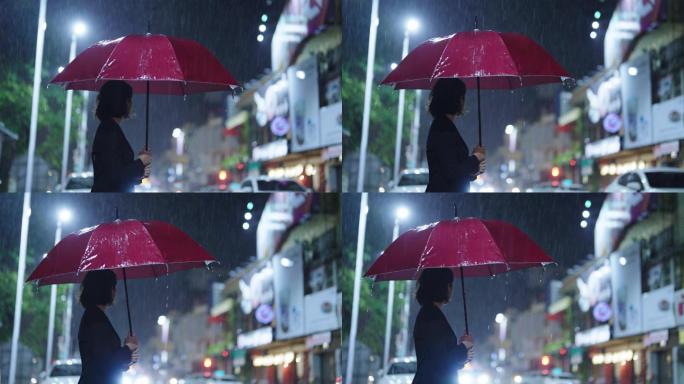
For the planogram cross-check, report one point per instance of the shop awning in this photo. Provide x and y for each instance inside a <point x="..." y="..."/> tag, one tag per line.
<point x="645" y="229"/>
<point x="560" y="305"/>
<point x="234" y="123"/>
<point x="310" y="230"/>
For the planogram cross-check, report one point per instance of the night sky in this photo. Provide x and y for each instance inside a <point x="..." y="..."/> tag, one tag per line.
<point x="552" y="220"/>
<point x="562" y="27"/>
<point x="228" y="28"/>
<point x="213" y="220"/>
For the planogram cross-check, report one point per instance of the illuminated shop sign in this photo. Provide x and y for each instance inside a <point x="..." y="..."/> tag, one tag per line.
<point x="269" y="360"/>
<point x="614" y="357"/>
<point x="593" y="336"/>
<point x="272" y="150"/>
<point x="605" y="147"/>
<point x="261" y="336"/>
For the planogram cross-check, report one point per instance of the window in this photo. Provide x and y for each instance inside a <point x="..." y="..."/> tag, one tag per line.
<point x="66" y="370"/>
<point x="413" y="179"/>
<point x="665" y="179"/>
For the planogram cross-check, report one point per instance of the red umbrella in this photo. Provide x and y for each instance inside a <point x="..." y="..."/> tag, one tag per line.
<point x="131" y="248"/>
<point x="482" y="59"/>
<point x="470" y="246"/>
<point x="149" y="63"/>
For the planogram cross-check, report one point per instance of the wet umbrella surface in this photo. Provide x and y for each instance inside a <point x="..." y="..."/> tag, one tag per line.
<point x="130" y="248"/>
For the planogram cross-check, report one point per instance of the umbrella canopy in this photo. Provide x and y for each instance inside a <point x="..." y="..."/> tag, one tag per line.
<point x="130" y="248"/>
<point x="150" y="64"/>
<point x="481" y="247"/>
<point x="143" y="249"/>
<point x="170" y="65"/>
<point x="470" y="247"/>
<point x="498" y="60"/>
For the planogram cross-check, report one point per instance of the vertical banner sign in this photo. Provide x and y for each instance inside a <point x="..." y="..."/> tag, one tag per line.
<point x="636" y="98"/>
<point x="288" y="278"/>
<point x="331" y="124"/>
<point x="659" y="311"/>
<point x="626" y="279"/>
<point x="304" y="106"/>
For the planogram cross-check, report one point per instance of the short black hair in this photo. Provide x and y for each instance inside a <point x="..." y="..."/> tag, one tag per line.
<point x="113" y="100"/>
<point x="433" y="285"/>
<point x="447" y="97"/>
<point x="96" y="288"/>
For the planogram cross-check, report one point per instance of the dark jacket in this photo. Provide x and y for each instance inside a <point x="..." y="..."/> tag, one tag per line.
<point x="438" y="352"/>
<point x="114" y="165"/>
<point x="451" y="167"/>
<point x="102" y="356"/>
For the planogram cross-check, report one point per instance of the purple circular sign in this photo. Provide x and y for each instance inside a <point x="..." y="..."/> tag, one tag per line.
<point x="602" y="312"/>
<point x="264" y="314"/>
<point x="612" y="123"/>
<point x="280" y="126"/>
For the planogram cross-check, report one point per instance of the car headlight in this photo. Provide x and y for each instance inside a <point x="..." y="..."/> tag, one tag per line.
<point x="466" y="378"/>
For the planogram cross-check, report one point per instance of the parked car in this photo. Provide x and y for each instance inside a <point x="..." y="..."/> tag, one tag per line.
<point x="199" y="378"/>
<point x="537" y="377"/>
<point x="557" y="187"/>
<point x="399" y="371"/>
<point x="63" y="372"/>
<point x="414" y="180"/>
<point x="269" y="184"/>
<point x="649" y="180"/>
<point x="79" y="182"/>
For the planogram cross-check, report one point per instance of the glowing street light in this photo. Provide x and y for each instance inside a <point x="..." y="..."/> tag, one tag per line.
<point x="499" y="318"/>
<point x="260" y="37"/>
<point x="412" y="24"/>
<point x="509" y="129"/>
<point x="595" y="25"/>
<point x="593" y="34"/>
<point x="402" y="213"/>
<point x="79" y="28"/>
<point x="64" y="215"/>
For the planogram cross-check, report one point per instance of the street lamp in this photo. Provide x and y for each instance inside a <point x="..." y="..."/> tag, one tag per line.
<point x="63" y="216"/>
<point x="401" y="213"/>
<point x="28" y="186"/>
<point x="502" y="321"/>
<point x="78" y="29"/>
<point x="365" y="122"/>
<point x="164" y="322"/>
<point x="411" y="26"/>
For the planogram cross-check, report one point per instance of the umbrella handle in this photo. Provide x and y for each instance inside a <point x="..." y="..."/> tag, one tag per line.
<point x="465" y="309"/>
<point x="128" y="308"/>
<point x="479" y="114"/>
<point x="147" y="117"/>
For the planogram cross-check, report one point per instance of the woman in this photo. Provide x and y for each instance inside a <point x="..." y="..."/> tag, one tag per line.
<point x="450" y="167"/>
<point x="439" y="353"/>
<point x="114" y="166"/>
<point x="102" y="356"/>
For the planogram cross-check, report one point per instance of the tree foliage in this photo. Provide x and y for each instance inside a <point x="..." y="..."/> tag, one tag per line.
<point x="383" y="118"/>
<point x="35" y="306"/>
<point x="16" y="90"/>
<point x="372" y="304"/>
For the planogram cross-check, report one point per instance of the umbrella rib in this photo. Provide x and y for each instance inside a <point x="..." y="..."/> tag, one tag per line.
<point x="440" y="57"/>
<point x="99" y="73"/>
